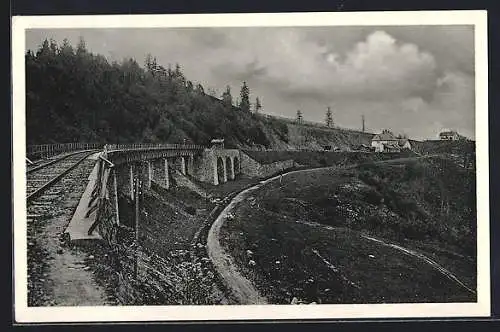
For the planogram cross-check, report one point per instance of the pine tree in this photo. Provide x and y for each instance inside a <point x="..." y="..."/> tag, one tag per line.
<point x="299" y="116"/>
<point x="53" y="47"/>
<point x="66" y="49"/>
<point x="150" y="63"/>
<point x="177" y="71"/>
<point x="227" y="99"/>
<point x="245" y="98"/>
<point x="329" y="118"/>
<point x="200" y="89"/>
<point x="258" y="105"/>
<point x="81" y="48"/>
<point x="44" y="49"/>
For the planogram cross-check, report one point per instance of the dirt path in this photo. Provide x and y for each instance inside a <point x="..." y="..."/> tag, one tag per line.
<point x="66" y="278"/>
<point x="243" y="289"/>
<point x="71" y="279"/>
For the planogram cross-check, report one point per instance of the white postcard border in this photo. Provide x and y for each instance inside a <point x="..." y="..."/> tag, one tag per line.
<point x="25" y="314"/>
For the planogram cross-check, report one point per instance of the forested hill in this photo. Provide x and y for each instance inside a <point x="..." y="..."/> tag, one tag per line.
<point x="75" y="95"/>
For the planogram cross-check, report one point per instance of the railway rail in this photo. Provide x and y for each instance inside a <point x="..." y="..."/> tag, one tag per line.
<point x="58" y="274"/>
<point x="42" y="177"/>
<point x="39" y="164"/>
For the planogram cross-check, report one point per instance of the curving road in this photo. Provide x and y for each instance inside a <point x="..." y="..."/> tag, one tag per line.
<point x="243" y="289"/>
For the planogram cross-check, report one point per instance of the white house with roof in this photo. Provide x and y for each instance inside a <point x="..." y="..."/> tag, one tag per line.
<point x="387" y="142"/>
<point x="449" y="135"/>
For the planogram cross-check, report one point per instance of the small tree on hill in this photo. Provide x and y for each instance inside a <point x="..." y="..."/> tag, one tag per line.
<point x="245" y="98"/>
<point x="329" y="117"/>
<point x="151" y="63"/>
<point x="299" y="117"/>
<point x="258" y="105"/>
<point x="227" y="99"/>
<point x="81" y="48"/>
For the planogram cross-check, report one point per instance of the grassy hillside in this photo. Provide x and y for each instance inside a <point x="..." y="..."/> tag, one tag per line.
<point x="309" y="235"/>
<point x="462" y="152"/>
<point x="437" y="147"/>
<point x="434" y="197"/>
<point x="322" y="158"/>
<point x="75" y="95"/>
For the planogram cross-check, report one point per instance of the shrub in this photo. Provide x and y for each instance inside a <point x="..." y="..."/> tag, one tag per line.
<point x="191" y="210"/>
<point x="372" y="196"/>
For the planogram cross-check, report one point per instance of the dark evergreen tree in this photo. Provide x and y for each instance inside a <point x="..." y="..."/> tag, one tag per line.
<point x="245" y="98"/>
<point x="227" y="99"/>
<point x="258" y="105"/>
<point x="299" y="117"/>
<point x="329" y="117"/>
<point x="81" y="48"/>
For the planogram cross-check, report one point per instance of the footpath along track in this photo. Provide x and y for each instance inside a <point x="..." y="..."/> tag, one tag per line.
<point x="60" y="274"/>
<point x="42" y="177"/>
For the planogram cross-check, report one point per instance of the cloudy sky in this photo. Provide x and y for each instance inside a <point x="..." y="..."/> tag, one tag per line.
<point x="416" y="80"/>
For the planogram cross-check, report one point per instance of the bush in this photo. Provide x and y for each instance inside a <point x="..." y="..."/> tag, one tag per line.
<point x="372" y="196"/>
<point x="191" y="210"/>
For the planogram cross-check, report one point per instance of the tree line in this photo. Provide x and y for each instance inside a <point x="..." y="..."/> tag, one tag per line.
<point x="73" y="95"/>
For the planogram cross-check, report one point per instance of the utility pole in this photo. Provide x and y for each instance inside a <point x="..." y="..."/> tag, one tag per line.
<point x="137" y="189"/>
<point x="363" y="122"/>
<point x="137" y="207"/>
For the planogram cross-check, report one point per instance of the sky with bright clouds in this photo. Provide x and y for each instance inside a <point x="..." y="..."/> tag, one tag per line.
<point x="417" y="80"/>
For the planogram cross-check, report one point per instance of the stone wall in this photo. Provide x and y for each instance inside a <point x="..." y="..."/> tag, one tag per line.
<point x="253" y="168"/>
<point x="203" y="167"/>
<point x="276" y="167"/>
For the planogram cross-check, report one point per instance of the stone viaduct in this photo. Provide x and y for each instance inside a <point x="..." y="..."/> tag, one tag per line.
<point x="213" y="165"/>
<point x="120" y="165"/>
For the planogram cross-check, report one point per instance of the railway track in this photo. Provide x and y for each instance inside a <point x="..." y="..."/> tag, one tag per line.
<point x="42" y="177"/>
<point x="41" y="163"/>
<point x="59" y="275"/>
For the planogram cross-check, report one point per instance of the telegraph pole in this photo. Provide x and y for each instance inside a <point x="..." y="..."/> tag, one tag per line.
<point x="137" y="189"/>
<point x="137" y="207"/>
<point x="363" y="122"/>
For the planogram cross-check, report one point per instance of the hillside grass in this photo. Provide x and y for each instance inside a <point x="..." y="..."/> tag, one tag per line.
<point x="425" y="205"/>
<point x="322" y="158"/>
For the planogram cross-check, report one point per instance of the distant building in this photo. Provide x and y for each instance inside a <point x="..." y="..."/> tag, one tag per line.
<point x="387" y="142"/>
<point x="449" y="135"/>
<point x="380" y="141"/>
<point x="364" y="148"/>
<point x="217" y="143"/>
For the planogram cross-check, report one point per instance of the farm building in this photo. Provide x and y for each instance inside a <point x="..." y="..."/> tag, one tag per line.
<point x="449" y="135"/>
<point x="387" y="142"/>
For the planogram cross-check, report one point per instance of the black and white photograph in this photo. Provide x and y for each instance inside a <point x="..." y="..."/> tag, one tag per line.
<point x="250" y="166"/>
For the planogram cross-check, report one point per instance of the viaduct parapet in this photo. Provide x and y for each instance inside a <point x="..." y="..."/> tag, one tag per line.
<point x="119" y="167"/>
